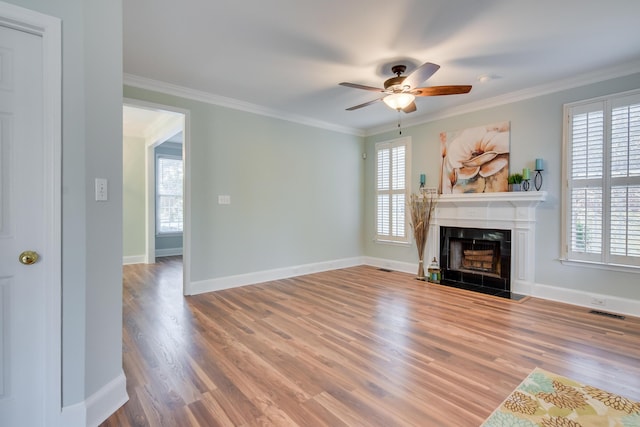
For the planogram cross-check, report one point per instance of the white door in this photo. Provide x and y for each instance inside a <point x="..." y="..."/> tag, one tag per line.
<point x="23" y="307"/>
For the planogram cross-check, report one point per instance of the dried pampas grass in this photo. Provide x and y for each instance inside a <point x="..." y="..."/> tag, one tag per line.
<point x="421" y="207"/>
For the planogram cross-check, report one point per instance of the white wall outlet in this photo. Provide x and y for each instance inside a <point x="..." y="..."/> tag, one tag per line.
<point x="224" y="199"/>
<point x="600" y="302"/>
<point x="101" y="190"/>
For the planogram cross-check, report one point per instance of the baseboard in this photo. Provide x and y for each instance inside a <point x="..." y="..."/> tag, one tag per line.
<point x="600" y="302"/>
<point x="133" y="259"/>
<point x="107" y="400"/>
<point x="404" y="267"/>
<point x="142" y="259"/>
<point x="228" y="282"/>
<point x="97" y="407"/>
<point x="168" y="252"/>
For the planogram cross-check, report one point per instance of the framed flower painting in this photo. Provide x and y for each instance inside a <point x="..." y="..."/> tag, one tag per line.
<point x="475" y="160"/>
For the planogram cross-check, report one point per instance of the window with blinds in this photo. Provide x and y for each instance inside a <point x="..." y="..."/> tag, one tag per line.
<point x="392" y="172"/>
<point x="168" y="194"/>
<point x="603" y="180"/>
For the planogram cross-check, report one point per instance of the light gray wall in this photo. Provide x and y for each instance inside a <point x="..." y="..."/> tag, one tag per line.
<point x="169" y="242"/>
<point x="536" y="131"/>
<point x="296" y="191"/>
<point x="103" y="138"/>
<point x="91" y="232"/>
<point x="173" y="243"/>
<point x="133" y="196"/>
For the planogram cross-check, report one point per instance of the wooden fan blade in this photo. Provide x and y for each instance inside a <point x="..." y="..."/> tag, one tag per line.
<point x="355" y="107"/>
<point x="441" y="90"/>
<point x="410" y="108"/>
<point x="420" y="74"/>
<point x="357" y="86"/>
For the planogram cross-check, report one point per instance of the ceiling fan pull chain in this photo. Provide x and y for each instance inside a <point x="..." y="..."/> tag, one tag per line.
<point x="399" y="118"/>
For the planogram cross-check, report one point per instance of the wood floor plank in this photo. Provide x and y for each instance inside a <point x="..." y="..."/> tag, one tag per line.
<point x="350" y="347"/>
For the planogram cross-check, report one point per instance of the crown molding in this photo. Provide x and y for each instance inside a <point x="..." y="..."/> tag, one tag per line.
<point x="222" y="101"/>
<point x="520" y="95"/>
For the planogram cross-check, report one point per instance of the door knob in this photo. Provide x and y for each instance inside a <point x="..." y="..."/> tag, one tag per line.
<point x="28" y="257"/>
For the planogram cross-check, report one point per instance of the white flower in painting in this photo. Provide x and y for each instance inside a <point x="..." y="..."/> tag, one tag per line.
<point x="475" y="156"/>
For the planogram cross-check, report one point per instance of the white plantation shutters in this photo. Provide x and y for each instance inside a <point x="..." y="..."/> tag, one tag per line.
<point x="603" y="182"/>
<point x="392" y="170"/>
<point x="168" y="194"/>
<point x="587" y="151"/>
<point x="625" y="179"/>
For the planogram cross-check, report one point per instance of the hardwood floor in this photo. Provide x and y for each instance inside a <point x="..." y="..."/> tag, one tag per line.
<point x="353" y="347"/>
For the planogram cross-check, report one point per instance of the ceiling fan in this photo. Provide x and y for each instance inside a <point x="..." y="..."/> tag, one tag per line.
<point x="400" y="91"/>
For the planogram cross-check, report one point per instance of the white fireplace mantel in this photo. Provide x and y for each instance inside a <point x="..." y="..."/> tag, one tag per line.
<point x="479" y="208"/>
<point x="515" y="211"/>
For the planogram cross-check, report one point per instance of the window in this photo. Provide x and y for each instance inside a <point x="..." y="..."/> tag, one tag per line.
<point x="602" y="197"/>
<point x="168" y="194"/>
<point x="392" y="171"/>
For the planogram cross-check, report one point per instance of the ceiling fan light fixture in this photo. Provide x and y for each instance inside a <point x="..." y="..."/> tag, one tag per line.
<point x="398" y="101"/>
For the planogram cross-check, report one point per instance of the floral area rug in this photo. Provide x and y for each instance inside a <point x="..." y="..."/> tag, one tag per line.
<point x="549" y="400"/>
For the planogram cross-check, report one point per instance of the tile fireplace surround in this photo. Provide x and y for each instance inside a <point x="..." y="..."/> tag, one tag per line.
<point x="515" y="211"/>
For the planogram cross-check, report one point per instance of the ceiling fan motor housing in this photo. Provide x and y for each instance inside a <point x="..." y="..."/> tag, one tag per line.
<point x="395" y="83"/>
<point x="398" y="69"/>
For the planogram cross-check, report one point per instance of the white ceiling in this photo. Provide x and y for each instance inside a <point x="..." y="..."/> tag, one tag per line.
<point x="152" y="124"/>
<point x="140" y="122"/>
<point x="286" y="57"/>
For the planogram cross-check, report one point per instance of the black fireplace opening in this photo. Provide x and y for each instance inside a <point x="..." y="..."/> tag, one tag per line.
<point x="477" y="259"/>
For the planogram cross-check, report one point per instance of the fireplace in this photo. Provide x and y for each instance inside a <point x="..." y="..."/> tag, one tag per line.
<point x="512" y="213"/>
<point x="476" y="258"/>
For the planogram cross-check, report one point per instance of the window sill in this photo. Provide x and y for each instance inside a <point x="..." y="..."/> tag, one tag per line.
<point x="391" y="242"/>
<point x="600" y="266"/>
<point x="174" y="234"/>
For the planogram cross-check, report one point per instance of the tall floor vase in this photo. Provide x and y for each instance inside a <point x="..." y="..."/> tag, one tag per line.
<point x="421" y="275"/>
<point x="421" y="207"/>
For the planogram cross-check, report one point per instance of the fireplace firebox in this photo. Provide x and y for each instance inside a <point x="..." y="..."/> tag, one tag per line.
<point x="476" y="259"/>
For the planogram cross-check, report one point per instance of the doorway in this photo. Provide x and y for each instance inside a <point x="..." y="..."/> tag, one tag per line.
<point x="155" y="139"/>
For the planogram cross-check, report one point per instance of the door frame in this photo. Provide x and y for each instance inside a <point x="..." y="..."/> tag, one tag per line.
<point x="49" y="29"/>
<point x="150" y="218"/>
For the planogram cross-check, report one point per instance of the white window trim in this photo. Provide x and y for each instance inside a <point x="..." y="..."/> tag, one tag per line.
<point x="606" y="261"/>
<point x="157" y="197"/>
<point x="389" y="240"/>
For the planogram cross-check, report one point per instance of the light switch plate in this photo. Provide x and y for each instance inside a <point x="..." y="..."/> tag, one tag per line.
<point x="224" y="199"/>
<point x="101" y="190"/>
